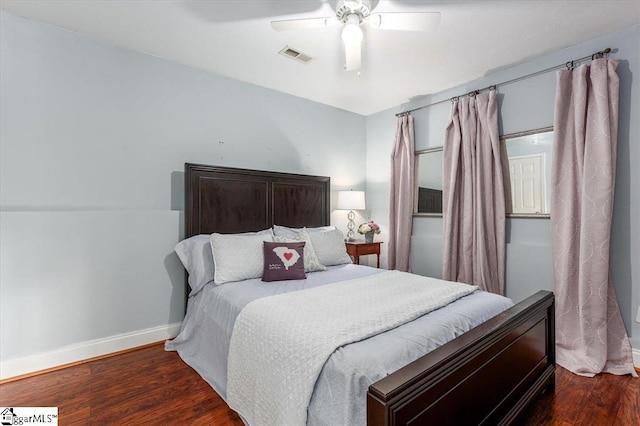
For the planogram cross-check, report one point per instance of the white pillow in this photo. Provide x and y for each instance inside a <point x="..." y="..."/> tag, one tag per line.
<point x="311" y="262"/>
<point x="197" y="258"/>
<point x="330" y="247"/>
<point x="237" y="257"/>
<point x="285" y="231"/>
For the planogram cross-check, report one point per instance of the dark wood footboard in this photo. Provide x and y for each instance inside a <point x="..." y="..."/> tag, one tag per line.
<point x="486" y="376"/>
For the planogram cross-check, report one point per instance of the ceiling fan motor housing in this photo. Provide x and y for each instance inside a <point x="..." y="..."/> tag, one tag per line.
<point x="345" y="8"/>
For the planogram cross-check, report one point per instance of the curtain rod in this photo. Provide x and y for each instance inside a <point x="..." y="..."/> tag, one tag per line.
<point x="569" y="65"/>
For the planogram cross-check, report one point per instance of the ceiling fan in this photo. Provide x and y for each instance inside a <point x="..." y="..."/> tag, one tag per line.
<point x="352" y="14"/>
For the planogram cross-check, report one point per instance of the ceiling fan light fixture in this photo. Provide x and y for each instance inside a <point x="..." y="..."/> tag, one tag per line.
<point x="351" y="33"/>
<point x="353" y="56"/>
<point x="352" y="39"/>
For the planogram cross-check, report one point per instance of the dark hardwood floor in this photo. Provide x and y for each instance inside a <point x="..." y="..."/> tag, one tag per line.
<point x="147" y="386"/>
<point x="150" y="386"/>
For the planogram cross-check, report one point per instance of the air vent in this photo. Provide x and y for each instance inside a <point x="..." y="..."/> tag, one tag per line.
<point x="292" y="53"/>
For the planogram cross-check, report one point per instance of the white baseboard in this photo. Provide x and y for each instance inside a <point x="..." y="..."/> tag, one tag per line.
<point x="94" y="348"/>
<point x="86" y="350"/>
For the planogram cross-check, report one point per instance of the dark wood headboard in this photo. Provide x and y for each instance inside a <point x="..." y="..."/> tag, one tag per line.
<point x="230" y="200"/>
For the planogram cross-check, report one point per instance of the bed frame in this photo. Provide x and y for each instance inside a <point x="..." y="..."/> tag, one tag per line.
<point x="488" y="375"/>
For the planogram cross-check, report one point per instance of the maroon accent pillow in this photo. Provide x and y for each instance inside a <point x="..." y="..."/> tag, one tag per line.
<point x="283" y="261"/>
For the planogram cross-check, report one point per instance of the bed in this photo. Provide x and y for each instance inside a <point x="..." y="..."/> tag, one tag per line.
<point x="486" y="375"/>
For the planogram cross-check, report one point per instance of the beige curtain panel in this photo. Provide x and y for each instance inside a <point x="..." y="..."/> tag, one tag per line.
<point x="590" y="334"/>
<point x="401" y="195"/>
<point x="473" y="195"/>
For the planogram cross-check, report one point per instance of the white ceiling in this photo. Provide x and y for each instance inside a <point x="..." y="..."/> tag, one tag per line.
<point x="235" y="39"/>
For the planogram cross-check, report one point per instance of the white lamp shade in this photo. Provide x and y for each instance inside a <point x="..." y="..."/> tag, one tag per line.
<point x="351" y="200"/>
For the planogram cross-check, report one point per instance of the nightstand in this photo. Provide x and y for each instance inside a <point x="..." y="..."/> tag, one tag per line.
<point x="358" y="248"/>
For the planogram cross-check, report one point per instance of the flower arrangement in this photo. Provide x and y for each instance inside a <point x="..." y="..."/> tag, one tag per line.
<point x="369" y="227"/>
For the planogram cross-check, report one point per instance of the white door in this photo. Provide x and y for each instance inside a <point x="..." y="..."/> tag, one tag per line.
<point x="527" y="183"/>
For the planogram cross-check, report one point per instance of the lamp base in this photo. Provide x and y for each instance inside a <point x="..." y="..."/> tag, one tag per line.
<point x="351" y="225"/>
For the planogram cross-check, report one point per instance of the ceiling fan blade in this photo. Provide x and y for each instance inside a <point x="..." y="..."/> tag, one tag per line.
<point x="303" y="24"/>
<point x="405" y="21"/>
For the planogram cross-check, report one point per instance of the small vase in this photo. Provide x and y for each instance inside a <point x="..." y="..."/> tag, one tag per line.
<point x="368" y="237"/>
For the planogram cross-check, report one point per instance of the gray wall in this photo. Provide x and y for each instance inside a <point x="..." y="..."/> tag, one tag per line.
<point x="526" y="105"/>
<point x="92" y="147"/>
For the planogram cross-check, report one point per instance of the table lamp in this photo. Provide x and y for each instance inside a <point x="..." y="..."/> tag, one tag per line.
<point x="351" y="200"/>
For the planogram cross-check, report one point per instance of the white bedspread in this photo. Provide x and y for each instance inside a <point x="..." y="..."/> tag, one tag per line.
<point x="275" y="359"/>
